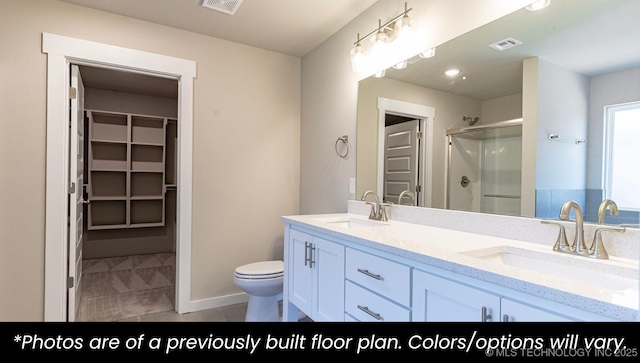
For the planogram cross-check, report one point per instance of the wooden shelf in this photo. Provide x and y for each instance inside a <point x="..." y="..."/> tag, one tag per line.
<point x="108" y="184"/>
<point x="147" y="211"/>
<point x="112" y="156"/>
<point x="146" y="184"/>
<point x="107" y="213"/>
<point x="109" y="126"/>
<point x="147" y="158"/>
<point x="147" y="130"/>
<point x="127" y="167"/>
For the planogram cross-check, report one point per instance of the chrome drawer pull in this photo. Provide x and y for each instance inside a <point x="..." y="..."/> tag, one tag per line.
<point x="306" y="252"/>
<point x="485" y="317"/>
<point x="366" y="310"/>
<point x="366" y="272"/>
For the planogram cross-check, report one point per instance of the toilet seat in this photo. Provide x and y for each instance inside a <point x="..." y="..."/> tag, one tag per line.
<point x="260" y="270"/>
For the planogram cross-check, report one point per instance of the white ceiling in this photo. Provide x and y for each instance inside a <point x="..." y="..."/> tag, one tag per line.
<point x="589" y="37"/>
<point x="293" y="27"/>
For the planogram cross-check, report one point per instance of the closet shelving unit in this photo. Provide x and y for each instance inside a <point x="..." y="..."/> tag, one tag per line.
<point x="127" y="165"/>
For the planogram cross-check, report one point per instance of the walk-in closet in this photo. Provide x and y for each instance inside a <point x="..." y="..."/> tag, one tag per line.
<point x="130" y="186"/>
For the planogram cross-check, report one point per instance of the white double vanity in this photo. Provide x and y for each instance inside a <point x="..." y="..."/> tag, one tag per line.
<point x="427" y="265"/>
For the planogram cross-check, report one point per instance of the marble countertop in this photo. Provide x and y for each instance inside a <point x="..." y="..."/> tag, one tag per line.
<point x="606" y="287"/>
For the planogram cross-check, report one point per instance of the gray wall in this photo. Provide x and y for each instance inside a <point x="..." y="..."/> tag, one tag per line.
<point x="242" y="96"/>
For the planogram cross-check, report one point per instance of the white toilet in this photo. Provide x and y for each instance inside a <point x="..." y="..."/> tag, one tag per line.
<point x="263" y="282"/>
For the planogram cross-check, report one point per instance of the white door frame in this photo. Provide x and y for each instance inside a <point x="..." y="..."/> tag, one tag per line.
<point x="426" y="115"/>
<point x="61" y="52"/>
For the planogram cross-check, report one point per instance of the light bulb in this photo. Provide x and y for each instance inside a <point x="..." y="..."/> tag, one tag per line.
<point x="451" y="72"/>
<point x="357" y="58"/>
<point x="381" y="38"/>
<point x="404" y="27"/>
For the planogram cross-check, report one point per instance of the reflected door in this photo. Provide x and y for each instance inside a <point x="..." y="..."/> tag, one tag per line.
<point x="401" y="161"/>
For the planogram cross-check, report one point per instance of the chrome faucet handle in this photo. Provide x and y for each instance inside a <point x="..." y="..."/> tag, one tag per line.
<point x="597" y="249"/>
<point x="383" y="211"/>
<point x="578" y="246"/>
<point x="562" y="244"/>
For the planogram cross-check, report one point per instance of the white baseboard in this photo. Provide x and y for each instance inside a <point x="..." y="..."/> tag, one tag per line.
<point x="217" y="302"/>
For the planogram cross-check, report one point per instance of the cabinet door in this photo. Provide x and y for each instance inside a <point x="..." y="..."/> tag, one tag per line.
<point x="436" y="299"/>
<point x="328" y="264"/>
<point x="300" y="274"/>
<point x="513" y="311"/>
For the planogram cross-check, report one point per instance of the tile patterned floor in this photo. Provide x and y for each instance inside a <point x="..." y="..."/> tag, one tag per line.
<point x="119" y="288"/>
<point x="112" y="284"/>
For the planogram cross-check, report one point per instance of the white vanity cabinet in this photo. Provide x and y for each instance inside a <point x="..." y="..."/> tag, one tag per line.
<point x="514" y="311"/>
<point x="331" y="277"/>
<point x="377" y="289"/>
<point x="316" y="276"/>
<point x="440" y="299"/>
<point x="437" y="299"/>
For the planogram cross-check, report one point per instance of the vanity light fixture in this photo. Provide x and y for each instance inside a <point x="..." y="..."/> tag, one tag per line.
<point x="357" y="57"/>
<point x="385" y="33"/>
<point x="538" y="5"/>
<point x="404" y="24"/>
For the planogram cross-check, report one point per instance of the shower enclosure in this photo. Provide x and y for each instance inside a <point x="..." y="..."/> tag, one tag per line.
<point x="484" y="168"/>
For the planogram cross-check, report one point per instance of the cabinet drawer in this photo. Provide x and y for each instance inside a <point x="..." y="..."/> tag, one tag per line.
<point x="390" y="279"/>
<point x="367" y="306"/>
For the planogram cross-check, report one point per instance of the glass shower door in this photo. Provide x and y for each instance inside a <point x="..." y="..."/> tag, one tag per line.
<point x="484" y="171"/>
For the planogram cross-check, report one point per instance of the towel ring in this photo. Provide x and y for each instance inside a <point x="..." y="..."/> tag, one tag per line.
<point x="345" y="140"/>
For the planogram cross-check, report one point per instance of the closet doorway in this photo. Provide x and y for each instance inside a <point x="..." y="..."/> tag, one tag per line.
<point x="126" y="260"/>
<point x="61" y="193"/>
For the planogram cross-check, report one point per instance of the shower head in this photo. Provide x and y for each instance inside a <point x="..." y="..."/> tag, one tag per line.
<point x="471" y="120"/>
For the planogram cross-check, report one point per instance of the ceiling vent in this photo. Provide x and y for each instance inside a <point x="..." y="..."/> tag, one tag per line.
<point x="505" y="44"/>
<point x="224" y="6"/>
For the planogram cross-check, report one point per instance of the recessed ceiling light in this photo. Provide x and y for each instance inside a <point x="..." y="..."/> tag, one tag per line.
<point x="452" y="72"/>
<point x="401" y="65"/>
<point x="379" y="74"/>
<point x="538" y="5"/>
<point x="428" y="53"/>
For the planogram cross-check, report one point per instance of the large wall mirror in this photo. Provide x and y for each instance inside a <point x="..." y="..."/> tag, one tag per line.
<point x="520" y="129"/>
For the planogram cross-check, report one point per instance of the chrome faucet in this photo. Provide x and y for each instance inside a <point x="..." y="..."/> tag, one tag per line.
<point x="378" y="211"/>
<point x="596" y="250"/>
<point x="613" y="209"/>
<point x="408" y="193"/>
<point x="374" y="207"/>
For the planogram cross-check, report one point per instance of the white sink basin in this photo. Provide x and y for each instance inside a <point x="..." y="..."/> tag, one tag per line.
<point x="351" y="222"/>
<point x="602" y="273"/>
